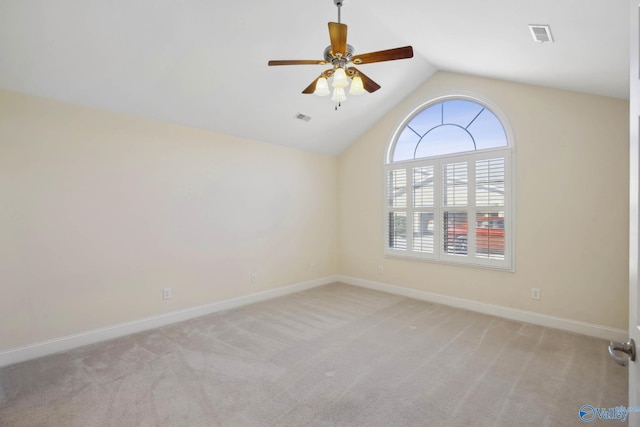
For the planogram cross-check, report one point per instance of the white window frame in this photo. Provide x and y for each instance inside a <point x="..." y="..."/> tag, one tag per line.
<point x="438" y="162"/>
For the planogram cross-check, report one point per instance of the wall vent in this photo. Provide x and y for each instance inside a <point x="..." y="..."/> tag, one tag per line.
<point x="541" y="33"/>
<point x="303" y="117"/>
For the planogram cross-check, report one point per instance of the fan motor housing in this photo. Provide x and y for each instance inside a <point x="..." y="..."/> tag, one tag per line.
<point x="331" y="59"/>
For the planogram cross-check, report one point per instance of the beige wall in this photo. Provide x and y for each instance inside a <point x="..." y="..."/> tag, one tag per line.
<point x="571" y="205"/>
<point x="100" y="211"/>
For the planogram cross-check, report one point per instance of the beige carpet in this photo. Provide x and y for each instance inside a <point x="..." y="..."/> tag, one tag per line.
<point x="332" y="356"/>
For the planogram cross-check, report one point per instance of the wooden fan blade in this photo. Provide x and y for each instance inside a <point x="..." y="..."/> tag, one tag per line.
<point x="338" y="36"/>
<point x="384" y="55"/>
<point x="312" y="87"/>
<point x="369" y="85"/>
<point x="298" y="62"/>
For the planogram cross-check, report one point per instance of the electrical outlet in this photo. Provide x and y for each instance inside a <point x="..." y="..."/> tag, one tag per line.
<point x="535" y="293"/>
<point x="254" y="277"/>
<point x="313" y="267"/>
<point x="166" y="293"/>
<point x="380" y="269"/>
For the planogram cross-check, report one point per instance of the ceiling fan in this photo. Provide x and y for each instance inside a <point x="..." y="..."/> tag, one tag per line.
<point x="341" y="56"/>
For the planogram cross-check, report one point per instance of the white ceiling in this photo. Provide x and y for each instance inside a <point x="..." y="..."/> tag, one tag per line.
<point x="204" y="63"/>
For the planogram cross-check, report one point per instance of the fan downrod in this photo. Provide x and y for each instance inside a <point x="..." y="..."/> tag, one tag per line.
<point x="338" y="3"/>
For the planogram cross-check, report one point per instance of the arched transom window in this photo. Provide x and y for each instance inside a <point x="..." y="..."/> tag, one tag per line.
<point x="448" y="185"/>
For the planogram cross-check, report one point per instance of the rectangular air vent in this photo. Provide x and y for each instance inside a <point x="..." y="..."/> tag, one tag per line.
<point x="541" y="33"/>
<point x="301" y="116"/>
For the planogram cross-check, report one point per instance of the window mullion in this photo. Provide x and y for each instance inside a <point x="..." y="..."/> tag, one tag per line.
<point x="410" y="209"/>
<point x="471" y="208"/>
<point x="437" y="209"/>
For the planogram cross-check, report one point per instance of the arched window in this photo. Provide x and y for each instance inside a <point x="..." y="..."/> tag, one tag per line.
<point x="449" y="186"/>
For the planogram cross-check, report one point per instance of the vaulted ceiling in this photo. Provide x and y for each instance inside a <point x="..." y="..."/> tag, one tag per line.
<point x="204" y="63"/>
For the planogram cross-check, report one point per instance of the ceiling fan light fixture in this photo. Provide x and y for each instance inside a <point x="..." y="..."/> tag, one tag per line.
<point x="340" y="79"/>
<point x="322" y="87"/>
<point x="340" y="57"/>
<point x="357" y="87"/>
<point x="338" y="95"/>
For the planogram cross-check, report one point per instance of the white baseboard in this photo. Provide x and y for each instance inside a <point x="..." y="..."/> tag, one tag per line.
<point x="45" y="348"/>
<point x="583" y="328"/>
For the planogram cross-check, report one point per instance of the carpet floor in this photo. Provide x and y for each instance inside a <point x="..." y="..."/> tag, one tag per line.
<point x="335" y="355"/>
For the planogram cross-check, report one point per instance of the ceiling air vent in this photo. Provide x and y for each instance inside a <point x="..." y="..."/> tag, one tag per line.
<point x="303" y="117"/>
<point x="541" y="33"/>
